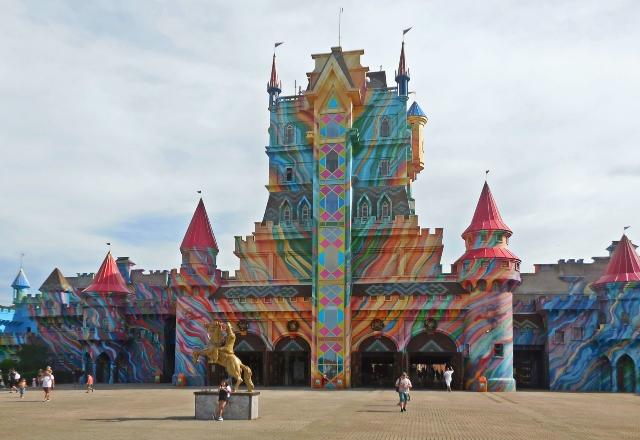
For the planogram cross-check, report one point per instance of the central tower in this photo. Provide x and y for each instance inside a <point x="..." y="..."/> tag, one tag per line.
<point x="334" y="94"/>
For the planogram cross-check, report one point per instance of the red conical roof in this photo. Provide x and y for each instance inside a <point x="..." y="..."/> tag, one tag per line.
<point x="624" y="265"/>
<point x="487" y="217"/>
<point x="108" y="279"/>
<point x="199" y="234"/>
<point x="273" y="81"/>
<point x="402" y="68"/>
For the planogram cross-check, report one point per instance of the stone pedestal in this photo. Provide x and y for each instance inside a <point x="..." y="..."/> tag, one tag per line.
<point x="241" y="406"/>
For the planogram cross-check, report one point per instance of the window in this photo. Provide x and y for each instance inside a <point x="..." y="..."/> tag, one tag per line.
<point x="384" y="209"/>
<point x="286" y="213"/>
<point x="559" y="337"/>
<point x="288" y="174"/>
<point x="304" y="213"/>
<point x="498" y="350"/>
<point x="387" y="297"/>
<point x="289" y="135"/>
<point x="242" y="300"/>
<point x="364" y="210"/>
<point x="331" y="203"/>
<point x="385" y="127"/>
<point x="518" y="266"/>
<point x="332" y="161"/>
<point x="578" y="333"/>
<point x="384" y="168"/>
<point x="504" y="265"/>
<point x="484" y="263"/>
<point x="267" y="300"/>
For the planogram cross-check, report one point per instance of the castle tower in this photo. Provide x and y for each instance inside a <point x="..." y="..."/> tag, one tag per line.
<point x="417" y="121"/>
<point x="106" y="298"/>
<point x="56" y="288"/>
<point x="199" y="248"/>
<point x="402" y="75"/>
<point x="274" y="87"/>
<point x="490" y="272"/>
<point x="20" y="286"/>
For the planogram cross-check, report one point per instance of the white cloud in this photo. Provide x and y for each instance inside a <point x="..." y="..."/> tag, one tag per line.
<point x="113" y="112"/>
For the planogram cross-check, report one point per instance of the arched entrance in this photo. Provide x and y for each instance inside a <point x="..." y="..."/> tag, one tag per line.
<point x="250" y="349"/>
<point x="290" y="362"/>
<point x="102" y="368"/>
<point x="427" y="355"/>
<point x="376" y="363"/>
<point x="626" y="374"/>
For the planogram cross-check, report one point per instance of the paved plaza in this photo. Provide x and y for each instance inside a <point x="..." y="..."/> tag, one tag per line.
<point x="149" y="412"/>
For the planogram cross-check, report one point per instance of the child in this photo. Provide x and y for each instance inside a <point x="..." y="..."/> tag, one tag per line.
<point x="48" y="382"/>
<point x="89" y="382"/>
<point x="22" y="386"/>
<point x="224" y="393"/>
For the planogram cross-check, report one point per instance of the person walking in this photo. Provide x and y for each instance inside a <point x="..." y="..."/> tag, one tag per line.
<point x="48" y="383"/>
<point x="89" y="382"/>
<point x="403" y="385"/>
<point x="224" y="393"/>
<point x="22" y="386"/>
<point x="448" y="372"/>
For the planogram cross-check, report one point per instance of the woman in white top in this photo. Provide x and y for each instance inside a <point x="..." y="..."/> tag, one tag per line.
<point x="447" y="376"/>
<point x="48" y="382"/>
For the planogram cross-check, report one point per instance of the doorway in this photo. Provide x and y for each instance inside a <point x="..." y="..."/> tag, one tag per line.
<point x="376" y="363"/>
<point x="291" y="362"/>
<point x="428" y="354"/>
<point x="102" y="368"/>
<point x="528" y="367"/>
<point x="626" y="374"/>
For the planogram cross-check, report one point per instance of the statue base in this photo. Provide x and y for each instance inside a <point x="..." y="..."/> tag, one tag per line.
<point x="241" y="406"/>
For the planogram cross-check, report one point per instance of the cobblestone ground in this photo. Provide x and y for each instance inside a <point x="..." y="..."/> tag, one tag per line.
<point x="148" y="412"/>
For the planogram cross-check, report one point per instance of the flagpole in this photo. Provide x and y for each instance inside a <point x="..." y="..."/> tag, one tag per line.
<point x="339" y="25"/>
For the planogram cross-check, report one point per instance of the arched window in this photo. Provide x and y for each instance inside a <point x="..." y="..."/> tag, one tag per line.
<point x="285" y="213"/>
<point x="384" y="208"/>
<point x="289" y="134"/>
<point x="304" y="210"/>
<point x="385" y="127"/>
<point x="364" y="208"/>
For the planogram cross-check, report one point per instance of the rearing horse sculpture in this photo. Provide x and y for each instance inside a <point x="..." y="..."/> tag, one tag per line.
<point x="220" y="351"/>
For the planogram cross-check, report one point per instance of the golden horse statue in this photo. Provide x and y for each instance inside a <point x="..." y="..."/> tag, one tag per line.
<point x="220" y="351"/>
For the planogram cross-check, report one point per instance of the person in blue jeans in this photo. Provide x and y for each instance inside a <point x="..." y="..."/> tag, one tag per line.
<point x="403" y="385"/>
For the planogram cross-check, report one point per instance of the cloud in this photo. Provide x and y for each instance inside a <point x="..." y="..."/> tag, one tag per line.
<point x="113" y="114"/>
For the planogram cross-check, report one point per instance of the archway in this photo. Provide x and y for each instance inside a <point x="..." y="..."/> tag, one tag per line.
<point x="291" y="362"/>
<point x="427" y="355"/>
<point x="626" y="374"/>
<point x="376" y="363"/>
<point x="102" y="368"/>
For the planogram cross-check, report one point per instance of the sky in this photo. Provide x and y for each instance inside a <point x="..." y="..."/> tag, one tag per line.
<point x="114" y="113"/>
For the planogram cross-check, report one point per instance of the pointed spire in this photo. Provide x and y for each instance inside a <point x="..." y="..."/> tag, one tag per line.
<point x="21" y="281"/>
<point x="273" y="81"/>
<point x="402" y="68"/>
<point x="624" y="265"/>
<point x="486" y="217"/>
<point x="56" y="282"/>
<point x="415" y="110"/>
<point x="199" y="235"/>
<point x="108" y="279"/>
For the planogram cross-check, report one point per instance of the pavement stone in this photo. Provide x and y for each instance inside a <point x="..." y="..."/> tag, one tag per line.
<point x="163" y="412"/>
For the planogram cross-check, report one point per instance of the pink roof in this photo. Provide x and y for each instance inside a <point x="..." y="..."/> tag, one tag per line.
<point x="489" y="253"/>
<point x="624" y="265"/>
<point x="487" y="217"/>
<point x="199" y="234"/>
<point x="402" y="68"/>
<point x="108" y="279"/>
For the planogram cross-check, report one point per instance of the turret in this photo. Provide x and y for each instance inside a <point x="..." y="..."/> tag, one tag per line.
<point x="20" y="286"/>
<point x="486" y="239"/>
<point x="199" y="247"/>
<point x="623" y="267"/>
<point x="274" y="87"/>
<point x="489" y="272"/>
<point x="56" y="287"/>
<point x="417" y="121"/>
<point x="402" y="75"/>
<point x="108" y="280"/>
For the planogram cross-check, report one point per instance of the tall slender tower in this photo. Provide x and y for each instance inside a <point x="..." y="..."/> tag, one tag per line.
<point x="402" y="75"/>
<point x="490" y="272"/>
<point x="274" y="87"/>
<point x="20" y="286"/>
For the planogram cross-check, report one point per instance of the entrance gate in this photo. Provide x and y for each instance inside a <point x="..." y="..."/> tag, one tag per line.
<point x="376" y="363"/>
<point x="427" y="355"/>
<point x="290" y="363"/>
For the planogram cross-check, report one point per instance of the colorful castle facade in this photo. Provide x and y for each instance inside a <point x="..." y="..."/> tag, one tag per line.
<point x="338" y="286"/>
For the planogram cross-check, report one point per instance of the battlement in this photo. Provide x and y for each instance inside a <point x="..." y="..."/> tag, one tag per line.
<point x="158" y="277"/>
